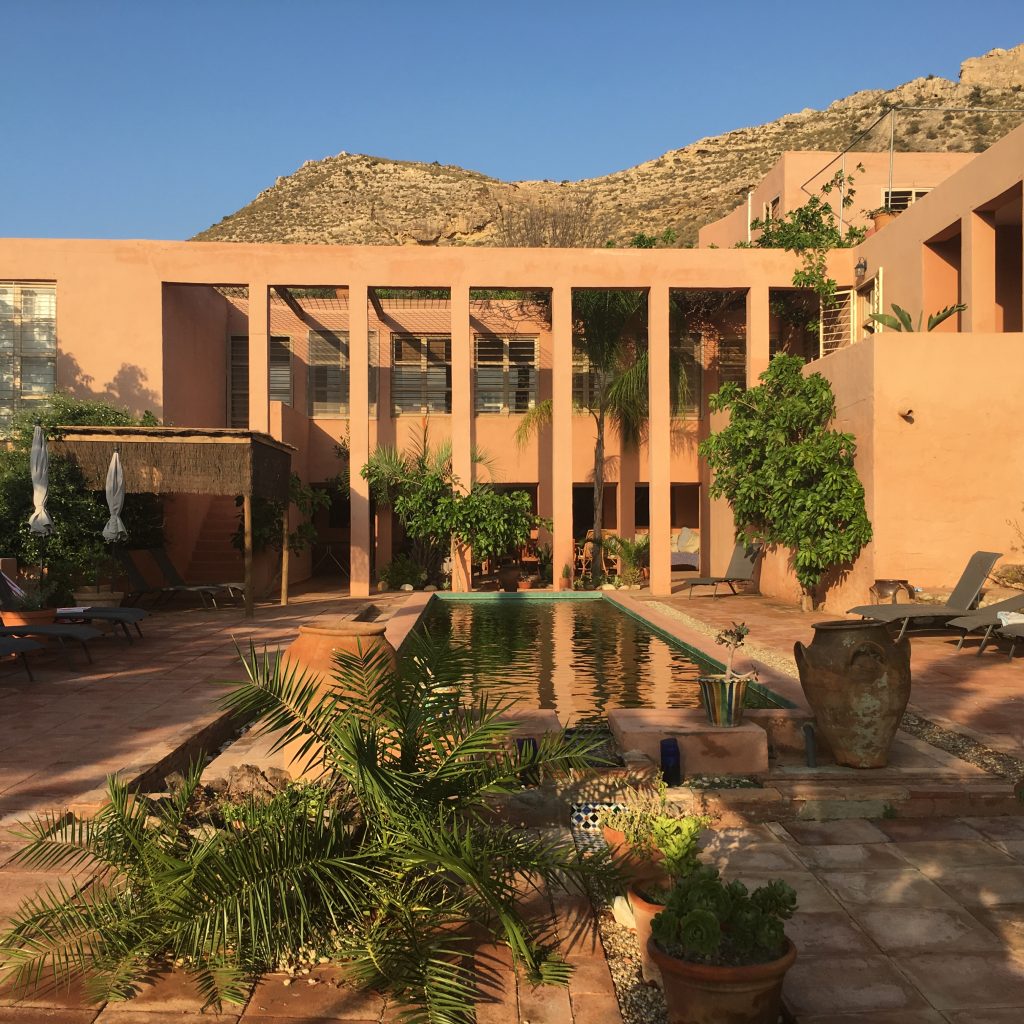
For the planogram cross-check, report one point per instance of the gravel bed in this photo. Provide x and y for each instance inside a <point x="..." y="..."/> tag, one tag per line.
<point x="639" y="1003"/>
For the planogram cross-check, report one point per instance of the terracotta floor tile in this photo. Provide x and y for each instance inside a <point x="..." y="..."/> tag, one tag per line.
<point x="989" y="886"/>
<point x="118" y="1013"/>
<point x="1006" y="922"/>
<point x="991" y="1015"/>
<point x="45" y="1015"/>
<point x="966" y="981"/>
<point x="852" y="857"/>
<point x="903" y="929"/>
<point x="833" y="833"/>
<point x="823" y="984"/>
<point x="891" y="888"/>
<point x="1011" y="828"/>
<point x="939" y="858"/>
<point x="910" y="830"/>
<point x="327" y="998"/>
<point x="545" y="1004"/>
<point x="831" y="932"/>
<point x="173" y="992"/>
<point x="757" y="858"/>
<point x="595" y="1009"/>
<point x="877" y="1017"/>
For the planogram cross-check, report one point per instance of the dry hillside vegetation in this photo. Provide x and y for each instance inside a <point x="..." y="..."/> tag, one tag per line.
<point x="354" y="199"/>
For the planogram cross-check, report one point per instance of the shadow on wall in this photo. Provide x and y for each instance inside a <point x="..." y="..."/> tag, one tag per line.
<point x="128" y="387"/>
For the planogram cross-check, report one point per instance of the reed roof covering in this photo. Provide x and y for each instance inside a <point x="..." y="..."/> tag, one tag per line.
<point x="173" y="460"/>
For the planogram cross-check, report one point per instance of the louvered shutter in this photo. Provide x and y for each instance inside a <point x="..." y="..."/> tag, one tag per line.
<point x="328" y="374"/>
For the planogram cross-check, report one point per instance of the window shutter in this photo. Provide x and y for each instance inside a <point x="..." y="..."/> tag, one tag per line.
<point x="238" y="399"/>
<point x="28" y="345"/>
<point x="421" y="374"/>
<point x="328" y="373"/>
<point x="281" y="370"/>
<point x="838" y="322"/>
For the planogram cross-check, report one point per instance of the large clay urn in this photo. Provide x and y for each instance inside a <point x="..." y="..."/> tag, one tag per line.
<point x="857" y="681"/>
<point x="313" y="651"/>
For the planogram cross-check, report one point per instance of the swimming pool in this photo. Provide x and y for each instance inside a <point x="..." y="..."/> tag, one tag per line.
<point x="580" y="655"/>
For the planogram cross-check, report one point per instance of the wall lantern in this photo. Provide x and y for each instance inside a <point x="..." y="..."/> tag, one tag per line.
<point x="860" y="268"/>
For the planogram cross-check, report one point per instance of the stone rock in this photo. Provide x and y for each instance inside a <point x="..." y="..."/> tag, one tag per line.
<point x="173" y="782"/>
<point x="382" y="587"/>
<point x="623" y="913"/>
<point x="406" y="586"/>
<point x="247" y="782"/>
<point x="429" y="589"/>
<point x="219" y="785"/>
<point x="277" y="777"/>
<point x="997" y="69"/>
<point x="202" y="833"/>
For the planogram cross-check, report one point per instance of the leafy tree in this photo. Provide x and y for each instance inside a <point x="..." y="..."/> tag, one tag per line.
<point x="421" y="488"/>
<point x="390" y="865"/>
<point x="268" y="518"/>
<point x="811" y="231"/>
<point x="789" y="479"/>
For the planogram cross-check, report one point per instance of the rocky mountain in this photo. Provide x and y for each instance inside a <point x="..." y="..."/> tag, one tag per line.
<point x="356" y="199"/>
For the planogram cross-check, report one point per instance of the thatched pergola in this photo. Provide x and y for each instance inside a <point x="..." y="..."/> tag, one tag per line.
<point x="173" y="460"/>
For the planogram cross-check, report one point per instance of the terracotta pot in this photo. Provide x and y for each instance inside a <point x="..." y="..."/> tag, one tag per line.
<point x="526" y="584"/>
<point x="644" y="913"/>
<point x="42" y="617"/>
<point x="857" y="682"/>
<point x="705" y="994"/>
<point x="723" y="700"/>
<point x="881" y="219"/>
<point x="313" y="651"/>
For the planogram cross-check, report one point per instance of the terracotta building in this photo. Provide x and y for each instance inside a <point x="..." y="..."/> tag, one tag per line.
<point x="327" y="349"/>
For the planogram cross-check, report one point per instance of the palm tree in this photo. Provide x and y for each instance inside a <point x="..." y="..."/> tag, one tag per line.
<point x="388" y="865"/>
<point x="609" y="332"/>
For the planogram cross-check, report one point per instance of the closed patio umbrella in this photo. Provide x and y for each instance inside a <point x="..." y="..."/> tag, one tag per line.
<point x="40" y="522"/>
<point x="114" y="531"/>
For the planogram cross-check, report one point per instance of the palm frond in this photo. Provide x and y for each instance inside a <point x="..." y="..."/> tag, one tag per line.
<point x="533" y="421"/>
<point x="627" y="399"/>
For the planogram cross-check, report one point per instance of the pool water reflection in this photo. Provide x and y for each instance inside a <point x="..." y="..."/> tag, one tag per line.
<point x="579" y="657"/>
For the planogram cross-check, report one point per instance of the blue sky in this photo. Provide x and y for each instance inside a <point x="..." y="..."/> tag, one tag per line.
<point x="153" y="120"/>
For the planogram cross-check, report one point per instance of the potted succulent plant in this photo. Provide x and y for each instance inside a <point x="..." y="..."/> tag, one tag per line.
<point x="654" y="847"/>
<point x="722" y="951"/>
<point x="633" y="555"/>
<point x="723" y="696"/>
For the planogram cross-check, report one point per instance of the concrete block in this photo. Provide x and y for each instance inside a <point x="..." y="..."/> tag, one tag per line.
<point x="533" y="722"/>
<point x="785" y="731"/>
<point x="705" y="750"/>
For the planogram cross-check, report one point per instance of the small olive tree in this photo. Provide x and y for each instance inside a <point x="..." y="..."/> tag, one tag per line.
<point x="789" y="479"/>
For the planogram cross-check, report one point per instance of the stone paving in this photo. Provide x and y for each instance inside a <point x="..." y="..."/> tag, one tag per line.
<point x="898" y="921"/>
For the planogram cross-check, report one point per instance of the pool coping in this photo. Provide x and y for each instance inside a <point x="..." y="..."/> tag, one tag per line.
<point x="783" y="692"/>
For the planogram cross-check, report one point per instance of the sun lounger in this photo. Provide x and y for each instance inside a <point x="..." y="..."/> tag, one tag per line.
<point x="961" y="601"/>
<point x="19" y="647"/>
<point x="1015" y="634"/>
<point x="986" y="618"/>
<point x="740" y="569"/>
<point x="63" y="634"/>
<point x="175" y="581"/>
<point x="139" y="587"/>
<point x="123" y="617"/>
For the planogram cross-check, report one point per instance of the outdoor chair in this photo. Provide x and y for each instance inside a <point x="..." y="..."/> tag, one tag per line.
<point x="686" y="549"/>
<point x="961" y="601"/>
<point x="123" y="617"/>
<point x="139" y="587"/>
<point x="986" y="618"/>
<point x="1014" y="634"/>
<point x="205" y="590"/>
<point x="740" y="569"/>
<point x="63" y="634"/>
<point x="19" y="647"/>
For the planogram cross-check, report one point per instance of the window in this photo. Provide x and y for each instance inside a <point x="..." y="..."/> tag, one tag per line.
<point x="28" y="345"/>
<point x="328" y="385"/>
<point x="506" y="373"/>
<point x="280" y="376"/>
<point x="584" y="381"/>
<point x="686" y="378"/>
<point x="902" y="198"/>
<point x="838" y="322"/>
<point x="732" y="360"/>
<point x="771" y="210"/>
<point x="421" y="374"/>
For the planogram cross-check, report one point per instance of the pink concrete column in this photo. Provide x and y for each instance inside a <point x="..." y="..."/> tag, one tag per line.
<point x="562" y="551"/>
<point x="659" y="443"/>
<point x="626" y="493"/>
<point x="359" y="438"/>
<point x="259" y="356"/>
<point x="758" y="333"/>
<point x="462" y="421"/>
<point x="978" y="263"/>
